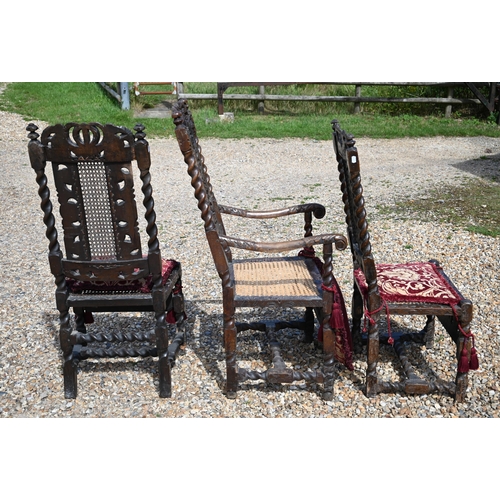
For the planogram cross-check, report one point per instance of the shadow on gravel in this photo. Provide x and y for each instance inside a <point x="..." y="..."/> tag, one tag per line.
<point x="487" y="167"/>
<point x="253" y="351"/>
<point x="204" y="334"/>
<point x="473" y="204"/>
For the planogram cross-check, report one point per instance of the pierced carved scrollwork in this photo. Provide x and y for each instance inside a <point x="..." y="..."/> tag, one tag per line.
<point x="87" y="141"/>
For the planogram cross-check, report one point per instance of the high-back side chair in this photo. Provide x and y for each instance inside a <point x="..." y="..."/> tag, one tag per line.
<point x="103" y="268"/>
<point x="417" y="288"/>
<point x="282" y="282"/>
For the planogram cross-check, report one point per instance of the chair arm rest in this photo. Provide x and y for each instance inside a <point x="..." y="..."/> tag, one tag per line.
<point x="317" y="209"/>
<point x="339" y="240"/>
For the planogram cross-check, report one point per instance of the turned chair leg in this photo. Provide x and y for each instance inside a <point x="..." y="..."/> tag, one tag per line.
<point x="178" y="307"/>
<point x="463" y="339"/>
<point x="328" y="361"/>
<point x="178" y="340"/>
<point x="180" y="329"/>
<point x="161" y="333"/>
<point x="80" y="320"/>
<point x="429" y="329"/>
<point x="165" y="390"/>
<point x="309" y="325"/>
<point x="372" y="360"/>
<point x="231" y="364"/>
<point x="69" y="363"/>
<point x="230" y="332"/>
<point x="357" y="319"/>
<point x="462" y="379"/>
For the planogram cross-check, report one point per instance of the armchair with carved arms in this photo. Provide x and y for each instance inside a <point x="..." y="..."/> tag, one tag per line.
<point x="279" y="281"/>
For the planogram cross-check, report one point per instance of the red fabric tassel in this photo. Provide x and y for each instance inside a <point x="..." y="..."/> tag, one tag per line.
<point x="463" y="364"/>
<point x="339" y="322"/>
<point x="337" y="319"/>
<point x="170" y="317"/>
<point x="474" y="362"/>
<point x="88" y="318"/>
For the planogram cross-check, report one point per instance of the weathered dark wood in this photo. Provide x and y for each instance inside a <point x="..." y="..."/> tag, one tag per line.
<point x="457" y="323"/>
<point x="283" y="246"/>
<point x="316" y="299"/>
<point x="487" y="103"/>
<point x="307" y="208"/>
<point x="103" y="268"/>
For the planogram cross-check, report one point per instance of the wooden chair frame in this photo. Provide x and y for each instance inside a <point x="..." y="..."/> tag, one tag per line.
<point x="104" y="269"/>
<point x="456" y="320"/>
<point x="221" y="244"/>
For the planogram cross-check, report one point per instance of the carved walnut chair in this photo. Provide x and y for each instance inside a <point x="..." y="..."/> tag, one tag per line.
<point x="259" y="282"/>
<point x="417" y="288"/>
<point x="104" y="268"/>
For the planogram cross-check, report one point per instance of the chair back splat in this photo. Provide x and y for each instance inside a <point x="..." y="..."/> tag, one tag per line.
<point x="103" y="268"/>
<point x="282" y="282"/>
<point x="416" y="288"/>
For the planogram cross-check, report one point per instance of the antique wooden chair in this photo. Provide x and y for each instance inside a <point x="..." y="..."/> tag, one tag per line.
<point x="417" y="288"/>
<point x="104" y="268"/>
<point x="268" y="281"/>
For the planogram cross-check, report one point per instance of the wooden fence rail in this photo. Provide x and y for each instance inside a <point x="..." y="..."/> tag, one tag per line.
<point x="489" y="102"/>
<point x="123" y="94"/>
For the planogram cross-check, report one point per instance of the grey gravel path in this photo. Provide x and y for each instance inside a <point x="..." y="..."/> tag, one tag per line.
<point x="260" y="173"/>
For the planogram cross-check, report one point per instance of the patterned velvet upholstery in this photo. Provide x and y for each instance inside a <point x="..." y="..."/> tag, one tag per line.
<point x="412" y="282"/>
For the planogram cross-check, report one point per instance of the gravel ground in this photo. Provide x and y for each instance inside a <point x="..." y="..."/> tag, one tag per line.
<point x="260" y="173"/>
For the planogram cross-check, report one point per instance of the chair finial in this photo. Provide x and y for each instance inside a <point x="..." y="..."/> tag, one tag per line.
<point x="139" y="128"/>
<point x="33" y="135"/>
<point x="350" y="142"/>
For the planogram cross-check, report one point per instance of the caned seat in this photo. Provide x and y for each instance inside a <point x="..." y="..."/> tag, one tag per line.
<point x="282" y="282"/>
<point x="103" y="268"/>
<point x="290" y="279"/>
<point x="415" y="288"/>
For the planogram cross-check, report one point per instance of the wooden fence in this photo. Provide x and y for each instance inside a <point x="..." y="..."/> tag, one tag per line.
<point x="122" y="95"/>
<point x="489" y="100"/>
<point x="479" y="98"/>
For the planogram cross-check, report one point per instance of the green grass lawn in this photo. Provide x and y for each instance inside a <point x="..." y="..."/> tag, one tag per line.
<point x="86" y="101"/>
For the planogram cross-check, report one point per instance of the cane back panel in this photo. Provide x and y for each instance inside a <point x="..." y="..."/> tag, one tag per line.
<point x="94" y="181"/>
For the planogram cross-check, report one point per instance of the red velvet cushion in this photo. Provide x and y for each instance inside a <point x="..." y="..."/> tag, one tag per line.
<point x="419" y="282"/>
<point x="143" y="285"/>
<point x="412" y="282"/>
